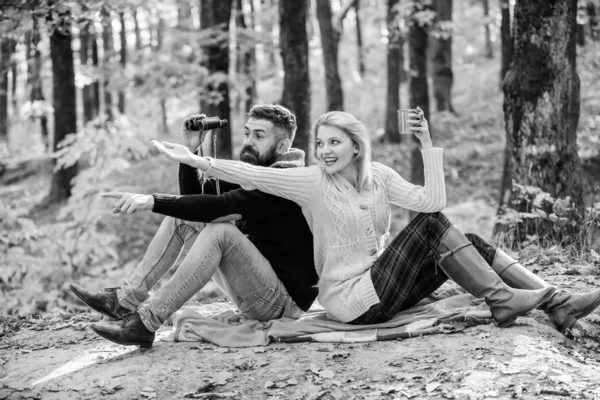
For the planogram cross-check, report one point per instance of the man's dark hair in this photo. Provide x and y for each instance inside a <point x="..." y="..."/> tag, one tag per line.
<point x="282" y="118"/>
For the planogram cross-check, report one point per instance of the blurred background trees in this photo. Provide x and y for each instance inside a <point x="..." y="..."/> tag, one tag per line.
<point x="85" y="84"/>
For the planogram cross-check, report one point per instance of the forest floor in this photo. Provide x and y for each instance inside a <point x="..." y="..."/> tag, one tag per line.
<point x="59" y="357"/>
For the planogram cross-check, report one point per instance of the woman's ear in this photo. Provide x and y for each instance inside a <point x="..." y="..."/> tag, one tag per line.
<point x="283" y="146"/>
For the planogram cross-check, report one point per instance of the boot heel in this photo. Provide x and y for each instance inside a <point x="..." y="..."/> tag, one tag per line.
<point x="145" y="345"/>
<point x="506" y="323"/>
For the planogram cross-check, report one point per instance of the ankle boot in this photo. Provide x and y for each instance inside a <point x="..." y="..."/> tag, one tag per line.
<point x="105" y="301"/>
<point x="128" y="331"/>
<point x="564" y="309"/>
<point x="464" y="265"/>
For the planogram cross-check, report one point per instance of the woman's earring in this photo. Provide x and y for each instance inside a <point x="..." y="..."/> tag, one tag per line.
<point x="356" y="150"/>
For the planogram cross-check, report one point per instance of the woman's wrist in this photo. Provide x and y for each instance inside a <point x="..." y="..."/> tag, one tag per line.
<point x="201" y="163"/>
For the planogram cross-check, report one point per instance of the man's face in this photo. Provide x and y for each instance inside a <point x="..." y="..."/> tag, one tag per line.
<point x="260" y="142"/>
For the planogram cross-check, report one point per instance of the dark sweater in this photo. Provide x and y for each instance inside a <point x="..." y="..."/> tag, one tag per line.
<point x="274" y="225"/>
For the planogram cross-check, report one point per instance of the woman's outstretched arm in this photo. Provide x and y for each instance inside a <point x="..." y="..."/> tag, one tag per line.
<point x="296" y="184"/>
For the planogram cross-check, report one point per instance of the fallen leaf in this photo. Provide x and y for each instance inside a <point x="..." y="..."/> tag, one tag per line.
<point x="430" y="387"/>
<point x="269" y="385"/>
<point x="327" y="374"/>
<point x="221" y="378"/>
<point x="148" y="392"/>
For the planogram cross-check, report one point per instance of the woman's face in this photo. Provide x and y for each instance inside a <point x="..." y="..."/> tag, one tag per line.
<point x="335" y="150"/>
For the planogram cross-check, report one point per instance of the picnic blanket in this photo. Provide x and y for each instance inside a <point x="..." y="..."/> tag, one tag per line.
<point x="223" y="325"/>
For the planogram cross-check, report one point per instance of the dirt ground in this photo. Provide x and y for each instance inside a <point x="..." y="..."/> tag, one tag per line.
<point x="59" y="357"/>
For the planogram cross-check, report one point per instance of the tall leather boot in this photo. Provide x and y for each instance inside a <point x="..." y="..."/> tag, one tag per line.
<point x="464" y="265"/>
<point x="564" y="309"/>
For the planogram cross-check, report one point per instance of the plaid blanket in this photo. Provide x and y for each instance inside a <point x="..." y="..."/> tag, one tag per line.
<point x="223" y="325"/>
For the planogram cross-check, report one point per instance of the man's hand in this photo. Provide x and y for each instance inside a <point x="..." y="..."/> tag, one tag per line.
<point x="191" y="130"/>
<point x="176" y="152"/>
<point x="128" y="203"/>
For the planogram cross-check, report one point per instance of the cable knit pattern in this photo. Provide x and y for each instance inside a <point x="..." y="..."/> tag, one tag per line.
<point x="349" y="228"/>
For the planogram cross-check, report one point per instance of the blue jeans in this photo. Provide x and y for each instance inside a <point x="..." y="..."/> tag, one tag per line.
<point x="219" y="252"/>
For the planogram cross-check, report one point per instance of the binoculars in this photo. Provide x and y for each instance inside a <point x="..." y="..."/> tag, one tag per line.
<point x="201" y="123"/>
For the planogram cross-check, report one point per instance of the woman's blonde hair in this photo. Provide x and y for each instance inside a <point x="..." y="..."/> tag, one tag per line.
<point x="359" y="135"/>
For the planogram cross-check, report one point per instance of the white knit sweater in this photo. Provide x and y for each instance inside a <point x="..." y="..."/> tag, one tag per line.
<point x="349" y="228"/>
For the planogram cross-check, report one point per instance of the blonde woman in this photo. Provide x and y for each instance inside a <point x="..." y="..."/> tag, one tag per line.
<point x="346" y="200"/>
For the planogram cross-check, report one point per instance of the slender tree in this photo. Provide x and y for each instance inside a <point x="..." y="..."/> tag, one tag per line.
<point x="34" y="68"/>
<point x="294" y="52"/>
<point x="506" y="38"/>
<point x="109" y="49"/>
<point x="418" y="88"/>
<point x="359" y="41"/>
<point x="136" y="29"/>
<point x="395" y="61"/>
<point x="96" y="64"/>
<point x="215" y="15"/>
<point x="489" y="50"/>
<point x="246" y="55"/>
<point x="329" y="43"/>
<point x="5" y="54"/>
<point x="541" y="107"/>
<point x="84" y="58"/>
<point x="122" y="59"/>
<point x="443" y="77"/>
<point x="63" y="100"/>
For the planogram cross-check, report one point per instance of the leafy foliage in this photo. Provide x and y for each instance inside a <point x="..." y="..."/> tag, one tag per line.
<point x="532" y="205"/>
<point x="39" y="260"/>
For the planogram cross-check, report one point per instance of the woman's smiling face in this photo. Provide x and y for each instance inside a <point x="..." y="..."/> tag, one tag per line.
<point x="335" y="150"/>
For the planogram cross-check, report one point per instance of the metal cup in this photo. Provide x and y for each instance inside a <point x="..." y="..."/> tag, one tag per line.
<point x="403" y="124"/>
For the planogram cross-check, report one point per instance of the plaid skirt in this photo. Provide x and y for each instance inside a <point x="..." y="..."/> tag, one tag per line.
<point x="406" y="272"/>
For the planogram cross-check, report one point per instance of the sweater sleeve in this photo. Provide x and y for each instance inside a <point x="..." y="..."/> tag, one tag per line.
<point x="248" y="205"/>
<point x="431" y="197"/>
<point x="296" y="184"/>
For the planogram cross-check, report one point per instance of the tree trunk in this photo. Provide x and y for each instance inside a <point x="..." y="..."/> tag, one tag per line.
<point x="136" y="29"/>
<point x="507" y="40"/>
<point x="84" y="59"/>
<point x="294" y="52"/>
<point x="359" y="40"/>
<point x="215" y="14"/>
<point x="268" y="8"/>
<point x="246" y="58"/>
<point x="418" y="91"/>
<point x="63" y="100"/>
<point x="35" y="80"/>
<point x="14" y="72"/>
<point x="541" y="109"/>
<point x="96" y="64"/>
<point x="251" y="90"/>
<point x="5" y="53"/>
<point x="109" y="49"/>
<point x="160" y="32"/>
<point x="329" y="43"/>
<point x="443" y="77"/>
<point x="489" y="50"/>
<point x="123" y="59"/>
<point x="394" y="68"/>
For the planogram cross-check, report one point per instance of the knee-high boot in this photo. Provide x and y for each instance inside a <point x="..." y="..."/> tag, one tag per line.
<point x="564" y="309"/>
<point x="457" y="257"/>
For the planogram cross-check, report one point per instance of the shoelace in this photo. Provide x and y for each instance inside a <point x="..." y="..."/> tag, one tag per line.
<point x="110" y="289"/>
<point x="128" y="317"/>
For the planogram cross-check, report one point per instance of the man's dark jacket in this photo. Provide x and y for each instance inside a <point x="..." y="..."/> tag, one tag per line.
<point x="276" y="226"/>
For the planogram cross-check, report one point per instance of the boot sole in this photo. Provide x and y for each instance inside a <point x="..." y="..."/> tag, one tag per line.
<point x="141" y="345"/>
<point x="79" y="296"/>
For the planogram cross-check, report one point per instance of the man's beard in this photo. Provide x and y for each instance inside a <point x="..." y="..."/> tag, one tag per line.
<point x="250" y="155"/>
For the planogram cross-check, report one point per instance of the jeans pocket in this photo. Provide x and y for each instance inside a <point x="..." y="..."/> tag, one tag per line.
<point x="257" y="307"/>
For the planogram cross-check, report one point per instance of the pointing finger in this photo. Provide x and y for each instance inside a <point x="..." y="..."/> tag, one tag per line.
<point x="113" y="195"/>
